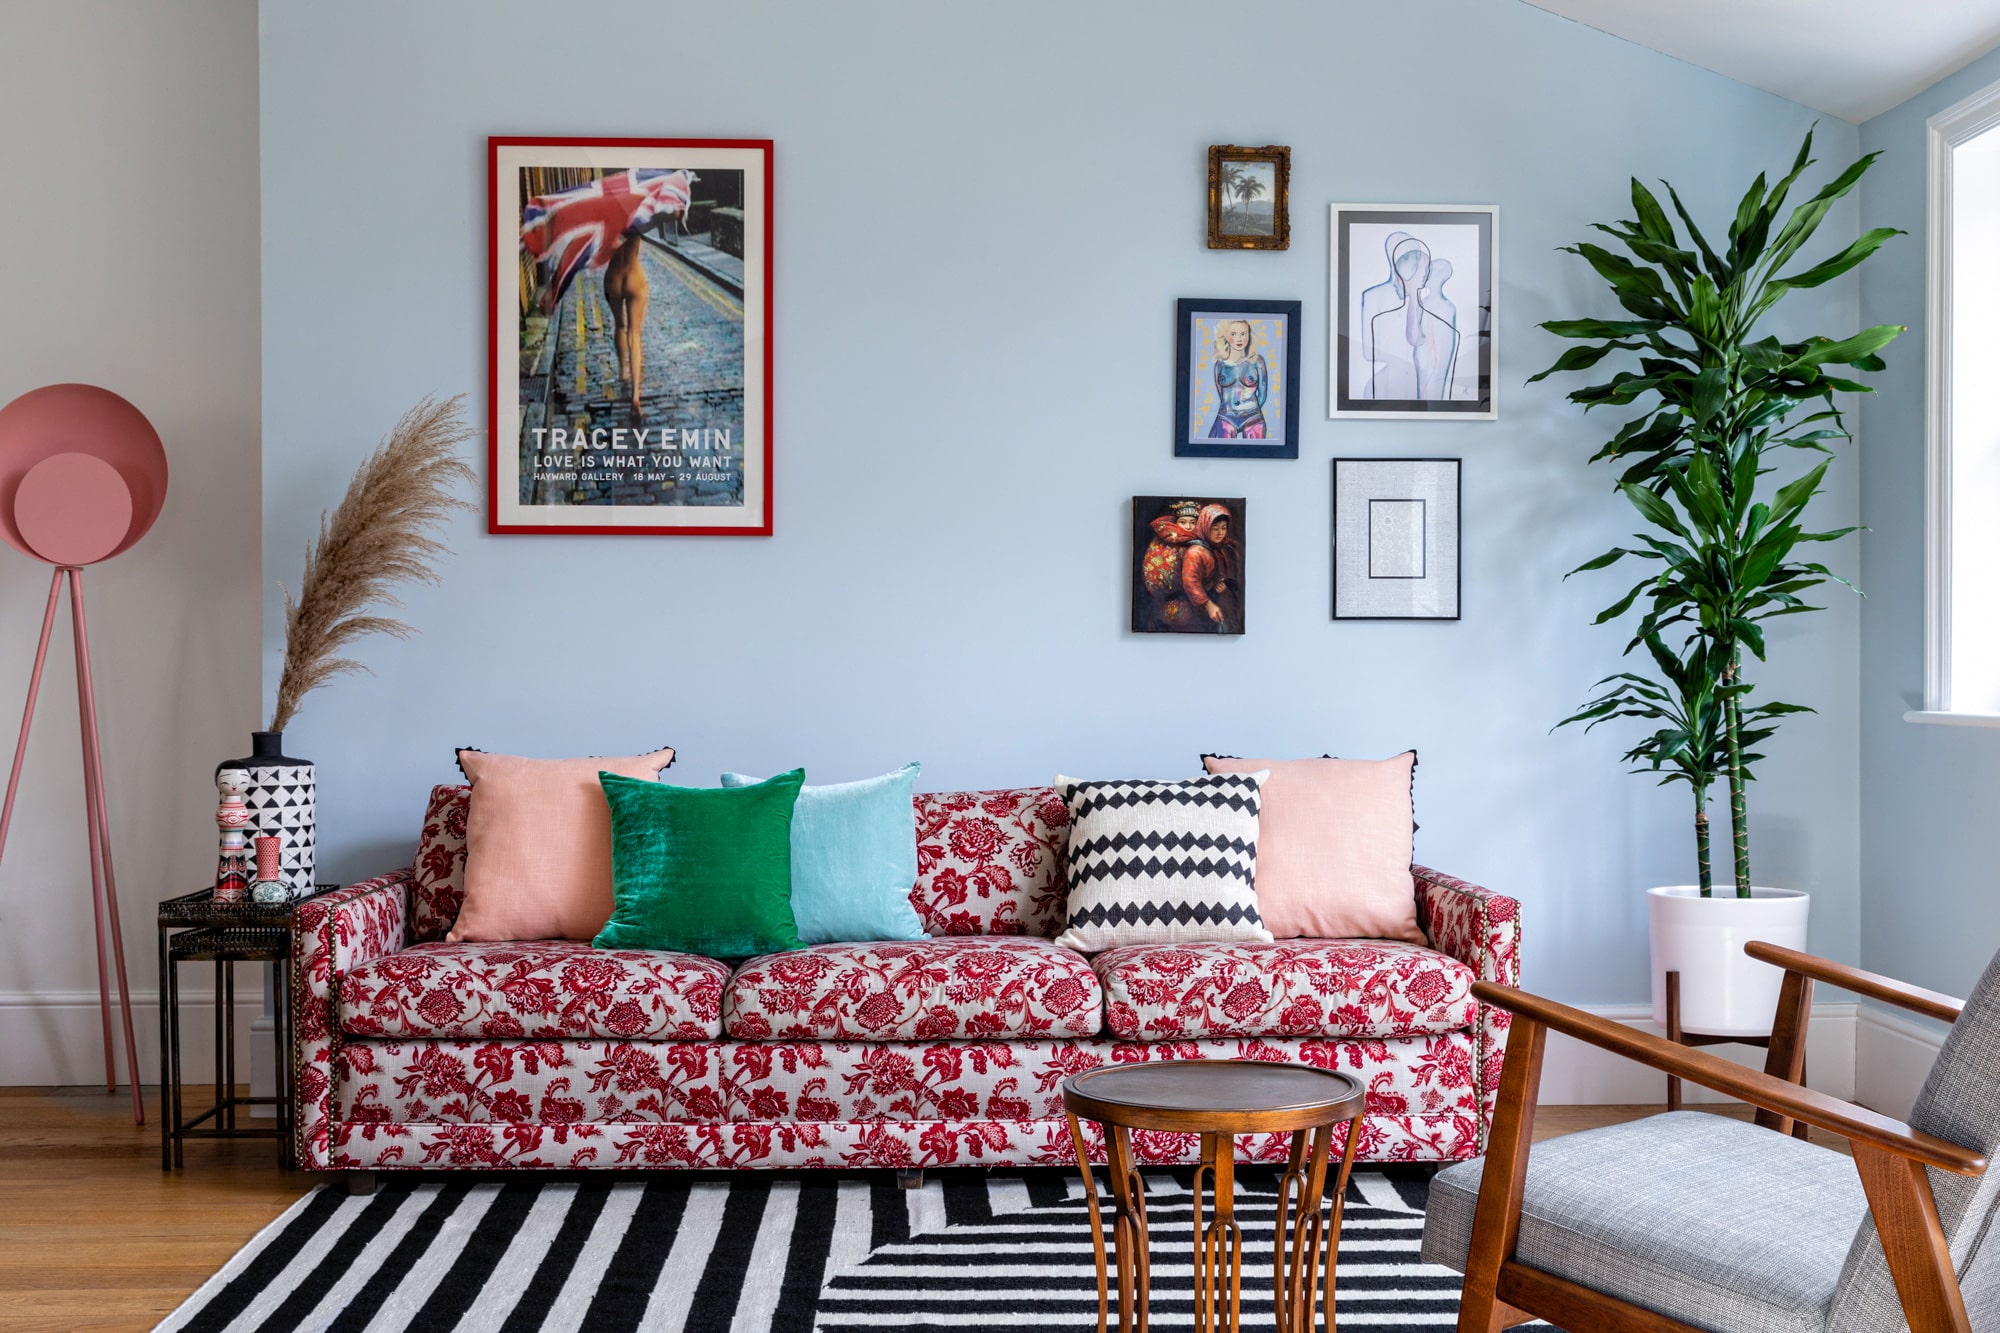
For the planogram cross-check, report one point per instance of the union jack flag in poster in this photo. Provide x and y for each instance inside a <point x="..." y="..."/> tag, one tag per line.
<point x="576" y="229"/>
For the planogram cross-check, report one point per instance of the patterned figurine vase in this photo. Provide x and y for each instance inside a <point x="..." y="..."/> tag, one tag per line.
<point x="232" y="816"/>
<point x="282" y="799"/>
<point x="268" y="888"/>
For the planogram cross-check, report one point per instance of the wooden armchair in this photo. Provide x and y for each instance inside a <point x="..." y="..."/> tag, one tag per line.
<point x="1696" y="1223"/>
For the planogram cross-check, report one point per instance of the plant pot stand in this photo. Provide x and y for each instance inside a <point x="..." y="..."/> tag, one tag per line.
<point x="1680" y="1037"/>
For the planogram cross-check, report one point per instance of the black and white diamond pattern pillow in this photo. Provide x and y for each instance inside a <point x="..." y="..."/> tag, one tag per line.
<point x="1163" y="862"/>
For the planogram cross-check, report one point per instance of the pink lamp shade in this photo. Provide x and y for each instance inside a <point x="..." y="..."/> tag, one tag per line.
<point x="72" y="509"/>
<point x="82" y="474"/>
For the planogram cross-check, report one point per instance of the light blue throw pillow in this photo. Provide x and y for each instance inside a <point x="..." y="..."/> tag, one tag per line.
<point x="854" y="859"/>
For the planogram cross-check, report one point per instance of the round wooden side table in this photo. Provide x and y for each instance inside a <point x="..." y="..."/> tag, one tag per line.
<point x="1219" y="1099"/>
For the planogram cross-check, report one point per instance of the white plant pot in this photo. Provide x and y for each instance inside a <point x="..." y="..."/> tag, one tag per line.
<point x="1724" y="992"/>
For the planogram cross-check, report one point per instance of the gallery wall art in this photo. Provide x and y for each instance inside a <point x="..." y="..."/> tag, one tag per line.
<point x="630" y="345"/>
<point x="1187" y="564"/>
<point x="1412" y="311"/>
<point x="1395" y="538"/>
<point x="1237" y="379"/>
<point x="1249" y="198"/>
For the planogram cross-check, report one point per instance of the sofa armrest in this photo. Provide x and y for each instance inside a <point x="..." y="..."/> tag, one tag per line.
<point x="330" y="934"/>
<point x="1481" y="929"/>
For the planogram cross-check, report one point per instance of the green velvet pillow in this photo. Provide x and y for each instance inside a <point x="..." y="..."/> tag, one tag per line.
<point x="701" y="870"/>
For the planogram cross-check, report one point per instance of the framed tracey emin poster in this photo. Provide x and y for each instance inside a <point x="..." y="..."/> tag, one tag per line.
<point x="629" y="340"/>
<point x="1236" y="378"/>
<point x="1395" y="538"/>
<point x="1412" y="311"/>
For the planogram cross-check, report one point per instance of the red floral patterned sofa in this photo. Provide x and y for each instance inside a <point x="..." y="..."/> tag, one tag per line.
<point x="414" y="1053"/>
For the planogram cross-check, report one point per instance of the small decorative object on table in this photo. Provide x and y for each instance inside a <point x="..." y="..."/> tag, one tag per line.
<point x="269" y="888"/>
<point x="201" y="927"/>
<point x="232" y="816"/>
<point x="280" y="795"/>
<point x="1219" y="1099"/>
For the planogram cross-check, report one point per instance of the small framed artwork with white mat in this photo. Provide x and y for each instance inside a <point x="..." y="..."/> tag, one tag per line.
<point x="1395" y="538"/>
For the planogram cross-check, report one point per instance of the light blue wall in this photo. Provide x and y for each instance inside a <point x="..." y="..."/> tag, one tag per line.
<point x="1930" y="843"/>
<point x="984" y="216"/>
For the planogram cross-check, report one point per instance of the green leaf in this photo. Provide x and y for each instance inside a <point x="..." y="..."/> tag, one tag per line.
<point x="1822" y="351"/>
<point x="1610" y="557"/>
<point x="1709" y="259"/>
<point x="1711" y="394"/>
<point x="1583" y="358"/>
<point x="1652" y="218"/>
<point x="1828" y="269"/>
<point x="1747" y="209"/>
<point x="1601" y="328"/>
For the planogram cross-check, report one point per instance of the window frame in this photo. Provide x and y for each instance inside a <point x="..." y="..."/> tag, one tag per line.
<point x="1946" y="131"/>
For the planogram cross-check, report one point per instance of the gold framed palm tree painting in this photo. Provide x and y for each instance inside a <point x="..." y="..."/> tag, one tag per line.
<point x="1249" y="198"/>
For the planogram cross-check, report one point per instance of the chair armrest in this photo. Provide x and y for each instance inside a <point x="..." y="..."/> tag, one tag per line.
<point x="1875" y="986"/>
<point x="1481" y="929"/>
<point x="330" y="934"/>
<point x="1856" y="1123"/>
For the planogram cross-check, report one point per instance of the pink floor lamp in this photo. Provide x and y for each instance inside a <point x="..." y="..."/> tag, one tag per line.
<point x="82" y="477"/>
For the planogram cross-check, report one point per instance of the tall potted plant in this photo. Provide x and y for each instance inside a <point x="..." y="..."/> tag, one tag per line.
<point x="1723" y="540"/>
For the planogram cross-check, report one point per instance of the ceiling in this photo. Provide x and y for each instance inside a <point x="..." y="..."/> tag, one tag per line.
<point x="1850" y="58"/>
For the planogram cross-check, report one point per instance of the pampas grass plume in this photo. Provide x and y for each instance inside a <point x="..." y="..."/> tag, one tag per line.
<point x="380" y="536"/>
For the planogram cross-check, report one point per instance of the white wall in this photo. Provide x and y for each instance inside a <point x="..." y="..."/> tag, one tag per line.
<point x="128" y="148"/>
<point x="984" y="215"/>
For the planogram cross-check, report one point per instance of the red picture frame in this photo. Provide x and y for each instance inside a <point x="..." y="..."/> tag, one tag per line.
<point x="585" y="237"/>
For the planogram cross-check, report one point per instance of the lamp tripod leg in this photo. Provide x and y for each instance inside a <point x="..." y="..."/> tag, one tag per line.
<point x="100" y="820"/>
<point x="28" y="712"/>
<point x="96" y="852"/>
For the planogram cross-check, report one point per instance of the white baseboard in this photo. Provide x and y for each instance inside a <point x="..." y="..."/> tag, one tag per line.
<point x="56" y="1038"/>
<point x="1574" y="1074"/>
<point x="1892" y="1056"/>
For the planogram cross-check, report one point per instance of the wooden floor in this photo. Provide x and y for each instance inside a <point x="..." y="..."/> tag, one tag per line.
<point x="93" y="1235"/>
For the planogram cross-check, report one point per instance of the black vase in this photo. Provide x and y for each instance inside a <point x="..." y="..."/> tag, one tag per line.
<point x="282" y="800"/>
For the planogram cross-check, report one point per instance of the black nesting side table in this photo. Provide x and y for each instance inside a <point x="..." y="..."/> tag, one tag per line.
<point x="196" y="928"/>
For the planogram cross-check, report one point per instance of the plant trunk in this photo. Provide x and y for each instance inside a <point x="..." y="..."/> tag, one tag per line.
<point x="1701" y="842"/>
<point x="1738" y="813"/>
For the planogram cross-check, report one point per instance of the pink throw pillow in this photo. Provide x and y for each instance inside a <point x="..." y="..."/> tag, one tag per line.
<point x="538" y="845"/>
<point x="1334" y="847"/>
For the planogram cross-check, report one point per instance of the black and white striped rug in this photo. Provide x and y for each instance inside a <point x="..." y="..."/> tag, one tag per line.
<point x="787" y="1253"/>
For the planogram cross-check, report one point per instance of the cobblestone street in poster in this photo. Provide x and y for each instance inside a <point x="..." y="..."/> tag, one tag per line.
<point x="691" y="404"/>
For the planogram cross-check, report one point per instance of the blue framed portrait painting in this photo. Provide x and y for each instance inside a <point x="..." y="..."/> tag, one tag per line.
<point x="1237" y="379"/>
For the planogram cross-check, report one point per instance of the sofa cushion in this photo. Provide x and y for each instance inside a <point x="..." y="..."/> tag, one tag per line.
<point x="1334" y="839"/>
<point x="538" y="845"/>
<point x="541" y="988"/>
<point x="915" y="991"/>
<point x="1704" y="1219"/>
<point x="991" y="862"/>
<point x="1290" y="988"/>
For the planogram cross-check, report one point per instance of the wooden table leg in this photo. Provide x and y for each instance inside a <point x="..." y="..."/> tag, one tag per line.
<point x="1218" y="1247"/>
<point x="1128" y="1232"/>
<point x="1096" y="1219"/>
<point x="1225" y="1228"/>
<point x="1295" y="1253"/>
<point x="1347" y="1157"/>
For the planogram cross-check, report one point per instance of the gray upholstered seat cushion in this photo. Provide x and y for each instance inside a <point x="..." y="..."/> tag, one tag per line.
<point x="1711" y="1221"/>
